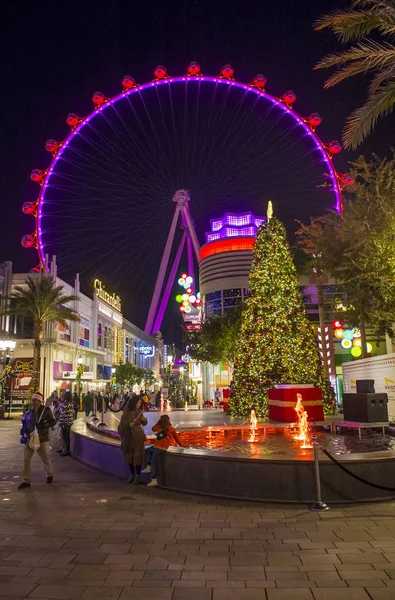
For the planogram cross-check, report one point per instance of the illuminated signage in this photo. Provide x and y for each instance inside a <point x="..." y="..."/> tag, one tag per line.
<point x="112" y="300"/>
<point x="73" y="375"/>
<point x="147" y="351"/>
<point x="115" y="316"/>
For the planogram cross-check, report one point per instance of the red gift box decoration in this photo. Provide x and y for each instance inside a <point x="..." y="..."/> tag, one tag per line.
<point x="282" y="402"/>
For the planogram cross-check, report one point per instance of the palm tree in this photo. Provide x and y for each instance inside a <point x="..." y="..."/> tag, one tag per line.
<point x="366" y="55"/>
<point x="41" y="300"/>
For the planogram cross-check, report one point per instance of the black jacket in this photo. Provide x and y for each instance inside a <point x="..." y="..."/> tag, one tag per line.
<point x="31" y="419"/>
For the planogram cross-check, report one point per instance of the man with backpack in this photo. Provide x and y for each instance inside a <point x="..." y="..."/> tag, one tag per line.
<point x="36" y="424"/>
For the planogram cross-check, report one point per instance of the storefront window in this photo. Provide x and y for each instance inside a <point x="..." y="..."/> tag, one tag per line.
<point x="233" y="293"/>
<point x="213" y="296"/>
<point x="99" y="335"/>
<point x="109" y="339"/>
<point x="64" y="332"/>
<point x="84" y="332"/>
<point x="105" y="337"/>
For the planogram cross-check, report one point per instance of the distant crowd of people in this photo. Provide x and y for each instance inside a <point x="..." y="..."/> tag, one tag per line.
<point x="44" y="423"/>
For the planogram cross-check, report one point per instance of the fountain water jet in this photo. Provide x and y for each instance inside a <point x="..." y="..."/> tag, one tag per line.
<point x="303" y="424"/>
<point x="253" y="426"/>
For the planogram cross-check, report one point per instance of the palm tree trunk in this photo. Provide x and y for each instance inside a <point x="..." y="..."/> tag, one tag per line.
<point x="363" y="338"/>
<point x="35" y="384"/>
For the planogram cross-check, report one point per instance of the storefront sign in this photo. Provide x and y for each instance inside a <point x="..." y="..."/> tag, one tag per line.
<point x="112" y="300"/>
<point x="73" y="375"/>
<point x="147" y="351"/>
<point x="20" y="385"/>
<point x="106" y="310"/>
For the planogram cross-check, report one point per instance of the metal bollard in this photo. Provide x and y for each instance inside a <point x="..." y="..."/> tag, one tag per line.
<point x="319" y="506"/>
<point x="102" y="424"/>
<point x="94" y="416"/>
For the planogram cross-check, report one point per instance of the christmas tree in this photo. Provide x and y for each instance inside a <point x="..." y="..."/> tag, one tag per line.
<point x="277" y="342"/>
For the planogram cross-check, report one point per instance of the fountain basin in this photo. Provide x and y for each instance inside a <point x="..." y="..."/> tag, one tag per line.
<point x="221" y="462"/>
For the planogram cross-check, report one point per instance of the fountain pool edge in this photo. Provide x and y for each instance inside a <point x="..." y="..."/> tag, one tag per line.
<point x="229" y="475"/>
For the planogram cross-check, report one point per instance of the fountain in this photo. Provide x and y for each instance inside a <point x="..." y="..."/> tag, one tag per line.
<point x="253" y="426"/>
<point x="269" y="460"/>
<point x="303" y="424"/>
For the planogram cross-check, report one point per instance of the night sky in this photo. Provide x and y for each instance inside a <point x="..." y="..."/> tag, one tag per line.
<point x="56" y="54"/>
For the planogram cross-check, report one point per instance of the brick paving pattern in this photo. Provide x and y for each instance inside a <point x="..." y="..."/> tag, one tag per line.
<point x="91" y="537"/>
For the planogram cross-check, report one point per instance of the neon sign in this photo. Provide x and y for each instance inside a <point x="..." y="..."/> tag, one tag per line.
<point x="147" y="351"/>
<point x="112" y="300"/>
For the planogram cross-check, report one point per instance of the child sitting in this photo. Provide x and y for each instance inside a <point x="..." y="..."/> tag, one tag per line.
<point x="166" y="436"/>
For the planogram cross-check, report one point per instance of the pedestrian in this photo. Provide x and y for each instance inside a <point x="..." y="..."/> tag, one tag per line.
<point x="166" y="436"/>
<point x="66" y="419"/>
<point x="36" y="424"/>
<point x="217" y="397"/>
<point x="76" y="404"/>
<point x="87" y="404"/>
<point x="158" y="397"/>
<point x="50" y="401"/>
<point x="133" y="437"/>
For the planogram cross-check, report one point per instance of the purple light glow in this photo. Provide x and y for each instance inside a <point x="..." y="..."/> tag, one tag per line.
<point x="216" y="80"/>
<point x="234" y="225"/>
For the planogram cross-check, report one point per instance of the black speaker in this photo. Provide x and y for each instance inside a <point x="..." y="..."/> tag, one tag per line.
<point x="365" y="408"/>
<point x="365" y="386"/>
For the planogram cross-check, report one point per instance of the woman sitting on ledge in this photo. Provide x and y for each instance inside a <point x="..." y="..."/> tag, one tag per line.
<point x="166" y="436"/>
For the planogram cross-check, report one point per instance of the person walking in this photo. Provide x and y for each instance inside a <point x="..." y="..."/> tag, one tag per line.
<point x="76" y="404"/>
<point x="50" y="401"/>
<point x="166" y="436"/>
<point x="133" y="437"/>
<point x="87" y="404"/>
<point x="36" y="424"/>
<point x="66" y="418"/>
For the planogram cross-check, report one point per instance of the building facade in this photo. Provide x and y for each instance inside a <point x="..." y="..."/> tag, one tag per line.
<point x="102" y="338"/>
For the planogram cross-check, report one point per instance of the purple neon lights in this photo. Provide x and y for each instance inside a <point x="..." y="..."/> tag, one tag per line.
<point x="141" y="88"/>
<point x="234" y="225"/>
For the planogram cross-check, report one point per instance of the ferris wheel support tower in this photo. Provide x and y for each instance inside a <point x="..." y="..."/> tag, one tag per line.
<point x="158" y="307"/>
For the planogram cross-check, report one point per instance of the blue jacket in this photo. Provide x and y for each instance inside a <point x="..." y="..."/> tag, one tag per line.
<point x="30" y="420"/>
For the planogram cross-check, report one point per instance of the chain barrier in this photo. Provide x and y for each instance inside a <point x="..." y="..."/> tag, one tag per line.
<point x="120" y="408"/>
<point x="361" y="479"/>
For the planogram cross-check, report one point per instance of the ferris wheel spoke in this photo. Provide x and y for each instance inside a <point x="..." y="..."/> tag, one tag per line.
<point x="126" y="140"/>
<point x="148" y="141"/>
<point x="94" y="163"/>
<point x="125" y="161"/>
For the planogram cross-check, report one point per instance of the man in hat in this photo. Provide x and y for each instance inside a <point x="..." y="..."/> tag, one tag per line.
<point x="40" y="417"/>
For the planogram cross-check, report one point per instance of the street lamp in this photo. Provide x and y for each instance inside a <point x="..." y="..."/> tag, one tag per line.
<point x="80" y="360"/>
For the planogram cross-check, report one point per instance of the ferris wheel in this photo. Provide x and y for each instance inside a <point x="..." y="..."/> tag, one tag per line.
<point x="112" y="178"/>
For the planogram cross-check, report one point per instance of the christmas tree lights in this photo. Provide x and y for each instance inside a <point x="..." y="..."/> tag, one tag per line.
<point x="277" y="342"/>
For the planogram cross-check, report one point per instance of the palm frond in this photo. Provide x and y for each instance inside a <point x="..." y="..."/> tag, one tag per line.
<point x="41" y="300"/>
<point x="351" y="70"/>
<point x="380" y="78"/>
<point x="349" y="25"/>
<point x="375" y="54"/>
<point x="361" y="122"/>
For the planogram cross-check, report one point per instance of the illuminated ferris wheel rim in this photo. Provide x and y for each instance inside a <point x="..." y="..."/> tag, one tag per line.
<point x="225" y="78"/>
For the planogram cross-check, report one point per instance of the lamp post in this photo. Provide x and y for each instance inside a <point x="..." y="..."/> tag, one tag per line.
<point x="80" y="371"/>
<point x="7" y="348"/>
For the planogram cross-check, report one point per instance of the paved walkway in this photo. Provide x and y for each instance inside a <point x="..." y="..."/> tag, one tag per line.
<point x="89" y="537"/>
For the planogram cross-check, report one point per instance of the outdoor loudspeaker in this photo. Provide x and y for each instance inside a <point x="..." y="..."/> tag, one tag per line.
<point x="365" y="386"/>
<point x="365" y="408"/>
